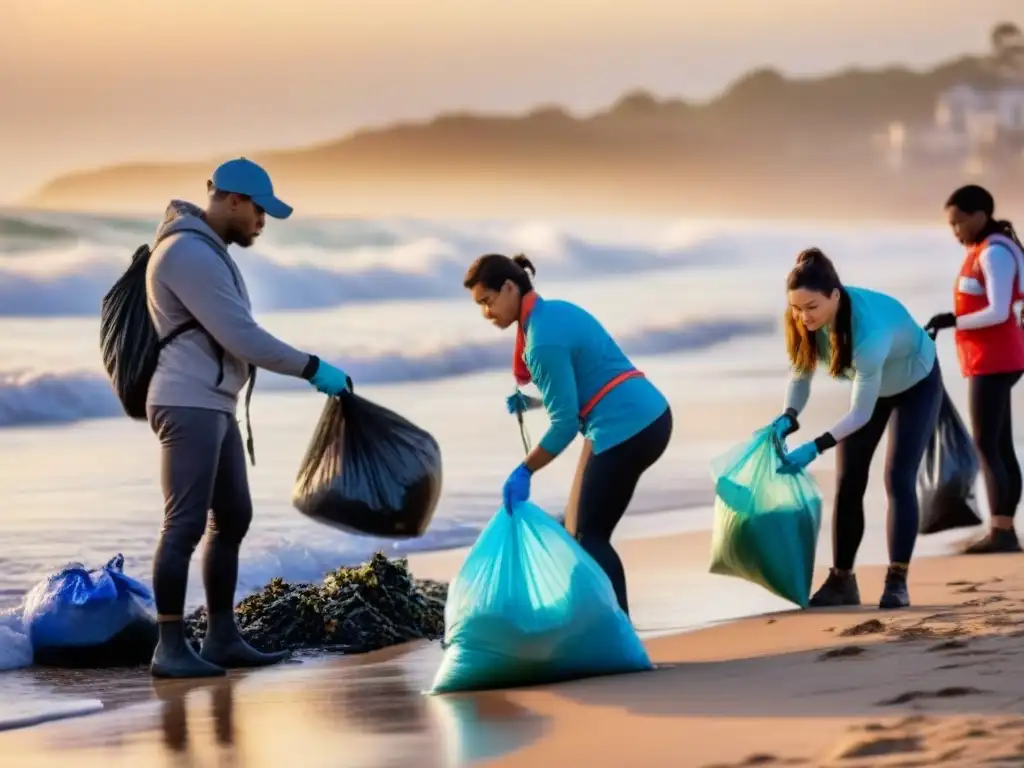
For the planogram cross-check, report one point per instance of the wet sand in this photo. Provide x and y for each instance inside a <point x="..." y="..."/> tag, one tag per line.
<point x="939" y="684"/>
<point x="784" y="683"/>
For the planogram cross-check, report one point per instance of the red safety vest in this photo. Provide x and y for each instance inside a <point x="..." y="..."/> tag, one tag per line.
<point x="997" y="348"/>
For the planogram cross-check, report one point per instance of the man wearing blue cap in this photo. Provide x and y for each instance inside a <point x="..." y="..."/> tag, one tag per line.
<point x="193" y="283"/>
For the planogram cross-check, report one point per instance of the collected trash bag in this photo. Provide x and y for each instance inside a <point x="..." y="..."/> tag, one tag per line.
<point x="766" y="522"/>
<point x="529" y="606"/>
<point x="946" y="479"/>
<point x="369" y="471"/>
<point x="81" y="618"/>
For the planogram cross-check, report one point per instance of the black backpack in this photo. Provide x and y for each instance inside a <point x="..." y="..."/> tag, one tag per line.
<point x="131" y="346"/>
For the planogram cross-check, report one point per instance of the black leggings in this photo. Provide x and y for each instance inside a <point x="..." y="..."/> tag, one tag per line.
<point x="206" y="489"/>
<point x="912" y="416"/>
<point x="992" y="426"/>
<point x="604" y="486"/>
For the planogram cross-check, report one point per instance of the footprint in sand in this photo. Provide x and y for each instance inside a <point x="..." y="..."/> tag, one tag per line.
<point x="979" y="601"/>
<point x="949" y="645"/>
<point x="760" y="759"/>
<point x="870" y="627"/>
<point x="960" y="665"/>
<point x="844" y="652"/>
<point x="878" y="746"/>
<point x="976" y="652"/>
<point x="941" y="693"/>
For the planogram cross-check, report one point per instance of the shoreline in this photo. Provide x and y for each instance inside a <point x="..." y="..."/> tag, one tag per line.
<point x="672" y="593"/>
<point x="875" y="683"/>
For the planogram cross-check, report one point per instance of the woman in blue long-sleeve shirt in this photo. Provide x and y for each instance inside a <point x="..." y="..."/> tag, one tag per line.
<point x="587" y="385"/>
<point x="871" y="338"/>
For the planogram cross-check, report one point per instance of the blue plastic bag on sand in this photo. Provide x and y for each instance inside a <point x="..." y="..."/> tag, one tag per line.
<point x="529" y="606"/>
<point x="766" y="522"/>
<point x="81" y="618"/>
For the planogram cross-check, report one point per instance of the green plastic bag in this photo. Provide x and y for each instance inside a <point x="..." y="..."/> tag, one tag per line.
<point x="766" y="522"/>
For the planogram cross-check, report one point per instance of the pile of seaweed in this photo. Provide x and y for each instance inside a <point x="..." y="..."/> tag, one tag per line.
<point x="354" y="610"/>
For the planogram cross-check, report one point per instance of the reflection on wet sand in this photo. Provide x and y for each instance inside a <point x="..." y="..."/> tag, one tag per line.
<point x="483" y="726"/>
<point x="357" y="712"/>
<point x="174" y="718"/>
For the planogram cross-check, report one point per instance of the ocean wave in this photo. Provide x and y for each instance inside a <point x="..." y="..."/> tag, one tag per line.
<point x="28" y="398"/>
<point x="318" y="264"/>
<point x="72" y="281"/>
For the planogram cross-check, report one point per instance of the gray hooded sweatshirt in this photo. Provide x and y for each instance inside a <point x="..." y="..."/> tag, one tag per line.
<point x="192" y="275"/>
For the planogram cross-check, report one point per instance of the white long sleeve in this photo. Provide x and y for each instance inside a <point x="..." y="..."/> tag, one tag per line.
<point x="999" y="266"/>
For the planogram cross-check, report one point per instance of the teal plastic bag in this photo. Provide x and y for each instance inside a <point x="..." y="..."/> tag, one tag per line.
<point x="529" y="606"/>
<point x="766" y="522"/>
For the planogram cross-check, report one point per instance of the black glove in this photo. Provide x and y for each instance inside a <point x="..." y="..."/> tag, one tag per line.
<point x="941" y="321"/>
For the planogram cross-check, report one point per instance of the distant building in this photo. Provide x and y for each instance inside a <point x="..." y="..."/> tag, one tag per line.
<point x="981" y="115"/>
<point x="979" y="125"/>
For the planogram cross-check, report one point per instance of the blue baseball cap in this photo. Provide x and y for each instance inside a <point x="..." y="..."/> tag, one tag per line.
<point x="244" y="177"/>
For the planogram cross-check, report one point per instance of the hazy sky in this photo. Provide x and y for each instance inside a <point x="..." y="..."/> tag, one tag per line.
<point x="88" y="83"/>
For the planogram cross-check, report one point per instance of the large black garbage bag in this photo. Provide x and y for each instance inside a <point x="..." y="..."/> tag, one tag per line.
<point x="369" y="471"/>
<point x="948" y="472"/>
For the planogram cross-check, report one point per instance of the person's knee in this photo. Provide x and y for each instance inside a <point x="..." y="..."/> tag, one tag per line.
<point x="182" y="532"/>
<point x="230" y="522"/>
<point x="596" y="546"/>
<point x="986" y="440"/>
<point x="849" y="497"/>
<point x="901" y="484"/>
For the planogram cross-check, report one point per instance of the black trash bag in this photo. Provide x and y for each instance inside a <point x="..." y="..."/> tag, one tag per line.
<point x="948" y="472"/>
<point x="369" y="471"/>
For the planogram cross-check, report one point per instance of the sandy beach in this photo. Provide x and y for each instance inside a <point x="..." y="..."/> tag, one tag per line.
<point x="938" y="684"/>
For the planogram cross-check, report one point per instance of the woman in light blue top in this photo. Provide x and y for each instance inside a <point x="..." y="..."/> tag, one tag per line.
<point x="871" y="338"/>
<point x="587" y="385"/>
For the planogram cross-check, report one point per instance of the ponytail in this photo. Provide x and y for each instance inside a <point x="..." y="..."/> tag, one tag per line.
<point x="525" y="264"/>
<point x="494" y="269"/>
<point x="1005" y="228"/>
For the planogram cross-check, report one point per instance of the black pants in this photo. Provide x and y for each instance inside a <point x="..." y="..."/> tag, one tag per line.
<point x="912" y="417"/>
<point x="992" y="427"/>
<point x="203" y="475"/>
<point x="604" y="486"/>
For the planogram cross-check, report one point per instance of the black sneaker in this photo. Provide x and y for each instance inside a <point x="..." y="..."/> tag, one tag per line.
<point x="997" y="540"/>
<point x="839" y="589"/>
<point x="895" y="594"/>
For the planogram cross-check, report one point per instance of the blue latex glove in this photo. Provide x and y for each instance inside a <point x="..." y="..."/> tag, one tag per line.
<point x="330" y="380"/>
<point x="520" y="403"/>
<point x="799" y="458"/>
<point x="784" y="426"/>
<point x="517" y="488"/>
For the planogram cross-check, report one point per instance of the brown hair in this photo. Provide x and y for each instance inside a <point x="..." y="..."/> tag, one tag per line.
<point x="494" y="269"/>
<point x="814" y="271"/>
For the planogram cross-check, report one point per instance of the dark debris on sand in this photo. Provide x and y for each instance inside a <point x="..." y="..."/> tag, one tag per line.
<point x="354" y="610"/>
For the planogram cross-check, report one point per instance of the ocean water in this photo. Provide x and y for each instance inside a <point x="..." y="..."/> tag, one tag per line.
<point x="696" y="304"/>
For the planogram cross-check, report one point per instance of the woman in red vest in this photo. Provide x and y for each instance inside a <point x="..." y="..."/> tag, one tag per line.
<point x="990" y="345"/>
